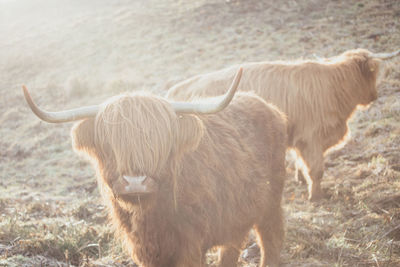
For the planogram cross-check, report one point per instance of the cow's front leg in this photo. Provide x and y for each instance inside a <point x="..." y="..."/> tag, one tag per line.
<point x="313" y="170"/>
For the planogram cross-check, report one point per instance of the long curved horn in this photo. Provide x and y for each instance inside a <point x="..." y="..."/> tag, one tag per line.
<point x="386" y="56"/>
<point x="212" y="104"/>
<point x="60" y="116"/>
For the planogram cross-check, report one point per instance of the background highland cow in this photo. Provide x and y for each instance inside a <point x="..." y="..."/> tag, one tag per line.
<point x="74" y="53"/>
<point x="319" y="97"/>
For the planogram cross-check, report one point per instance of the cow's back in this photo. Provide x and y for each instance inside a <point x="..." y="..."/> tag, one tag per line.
<point x="304" y="91"/>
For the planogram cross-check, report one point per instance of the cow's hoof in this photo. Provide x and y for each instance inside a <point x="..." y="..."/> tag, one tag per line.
<point x="316" y="196"/>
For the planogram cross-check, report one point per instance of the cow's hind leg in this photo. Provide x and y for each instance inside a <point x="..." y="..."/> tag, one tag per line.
<point x="271" y="234"/>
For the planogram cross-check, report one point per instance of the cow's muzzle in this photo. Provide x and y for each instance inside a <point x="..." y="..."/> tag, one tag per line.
<point x="134" y="186"/>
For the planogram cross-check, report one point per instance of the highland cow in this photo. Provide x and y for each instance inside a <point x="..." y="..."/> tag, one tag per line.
<point x="179" y="181"/>
<point x="318" y="97"/>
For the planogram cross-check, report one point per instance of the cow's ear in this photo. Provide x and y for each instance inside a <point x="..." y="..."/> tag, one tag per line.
<point x="190" y="132"/>
<point x="83" y="136"/>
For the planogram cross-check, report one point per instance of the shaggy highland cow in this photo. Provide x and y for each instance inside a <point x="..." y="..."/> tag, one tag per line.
<point x="318" y="97"/>
<point x="179" y="182"/>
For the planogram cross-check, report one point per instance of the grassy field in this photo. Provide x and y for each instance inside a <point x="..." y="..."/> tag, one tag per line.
<point x="72" y="53"/>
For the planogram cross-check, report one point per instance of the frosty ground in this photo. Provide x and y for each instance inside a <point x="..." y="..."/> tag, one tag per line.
<point x="73" y="53"/>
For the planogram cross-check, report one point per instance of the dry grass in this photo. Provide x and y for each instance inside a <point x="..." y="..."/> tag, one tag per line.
<point x="50" y="210"/>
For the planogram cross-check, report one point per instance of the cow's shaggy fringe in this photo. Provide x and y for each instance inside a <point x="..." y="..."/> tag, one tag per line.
<point x="318" y="97"/>
<point x="219" y="175"/>
<point x="119" y="119"/>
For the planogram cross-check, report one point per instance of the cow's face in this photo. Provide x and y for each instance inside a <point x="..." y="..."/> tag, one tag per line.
<point x="136" y="140"/>
<point x="369" y="68"/>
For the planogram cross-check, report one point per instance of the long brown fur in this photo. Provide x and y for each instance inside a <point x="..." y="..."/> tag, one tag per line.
<point x="318" y="97"/>
<point x="219" y="175"/>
